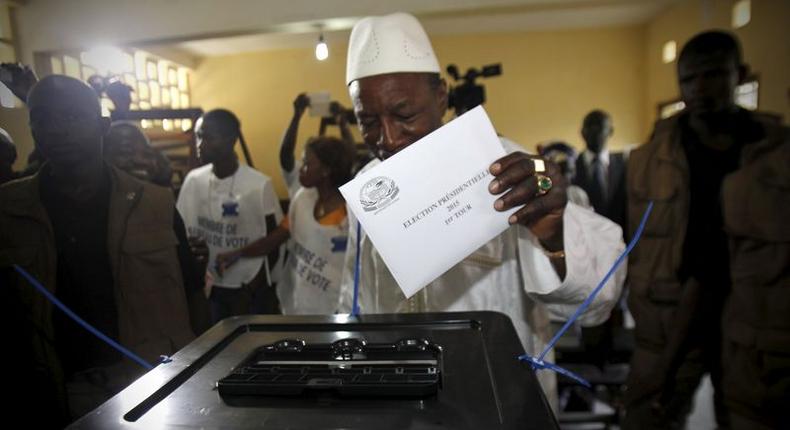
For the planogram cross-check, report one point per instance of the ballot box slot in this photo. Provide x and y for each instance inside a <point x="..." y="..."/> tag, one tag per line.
<point x="165" y="390"/>
<point x="365" y="326"/>
<point x="347" y="367"/>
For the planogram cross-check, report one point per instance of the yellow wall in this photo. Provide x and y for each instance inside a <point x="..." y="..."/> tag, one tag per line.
<point x="14" y="121"/>
<point x="550" y="81"/>
<point x="765" y="43"/>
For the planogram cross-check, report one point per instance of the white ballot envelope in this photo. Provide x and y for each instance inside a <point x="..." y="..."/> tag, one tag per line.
<point x="428" y="207"/>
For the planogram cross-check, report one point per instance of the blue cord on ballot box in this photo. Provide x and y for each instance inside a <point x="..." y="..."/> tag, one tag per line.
<point x="355" y="303"/>
<point x="536" y="363"/>
<point x="51" y="297"/>
<point x="539" y="363"/>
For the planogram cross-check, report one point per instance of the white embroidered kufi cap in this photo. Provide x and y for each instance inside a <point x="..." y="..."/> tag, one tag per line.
<point x="389" y="44"/>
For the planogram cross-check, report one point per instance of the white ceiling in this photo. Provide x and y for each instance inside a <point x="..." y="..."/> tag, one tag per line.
<point x="466" y="17"/>
<point x="199" y="28"/>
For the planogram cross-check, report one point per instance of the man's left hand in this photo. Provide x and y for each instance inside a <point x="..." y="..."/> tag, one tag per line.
<point x="515" y="176"/>
<point x="225" y="260"/>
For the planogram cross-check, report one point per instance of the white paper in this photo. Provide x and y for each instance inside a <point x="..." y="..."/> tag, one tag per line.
<point x="428" y="207"/>
<point x="319" y="104"/>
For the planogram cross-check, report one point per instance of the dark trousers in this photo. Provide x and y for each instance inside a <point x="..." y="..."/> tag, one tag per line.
<point x="756" y="386"/>
<point x="230" y="302"/>
<point x="257" y="297"/>
<point x="265" y="301"/>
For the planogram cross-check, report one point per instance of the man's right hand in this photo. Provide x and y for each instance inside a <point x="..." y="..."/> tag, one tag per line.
<point x="338" y="111"/>
<point x="300" y="104"/>
<point x="288" y="145"/>
<point x="18" y="78"/>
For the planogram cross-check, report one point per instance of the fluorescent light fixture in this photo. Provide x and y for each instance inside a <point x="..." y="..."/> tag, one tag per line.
<point x="321" y="49"/>
<point x="669" y="52"/>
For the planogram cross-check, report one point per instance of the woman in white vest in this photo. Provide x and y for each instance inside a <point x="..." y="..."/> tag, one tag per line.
<point x="318" y="225"/>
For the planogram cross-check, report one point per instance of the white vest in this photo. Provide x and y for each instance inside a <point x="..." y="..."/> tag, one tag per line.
<point x="311" y="281"/>
<point x="229" y="213"/>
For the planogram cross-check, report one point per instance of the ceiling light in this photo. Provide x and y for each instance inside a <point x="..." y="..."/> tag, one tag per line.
<point x="321" y="49"/>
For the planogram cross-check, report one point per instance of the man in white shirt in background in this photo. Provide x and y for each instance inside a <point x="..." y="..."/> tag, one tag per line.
<point x="229" y="206"/>
<point x="548" y="261"/>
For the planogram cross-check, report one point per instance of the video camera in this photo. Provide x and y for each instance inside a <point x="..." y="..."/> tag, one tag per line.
<point x="468" y="94"/>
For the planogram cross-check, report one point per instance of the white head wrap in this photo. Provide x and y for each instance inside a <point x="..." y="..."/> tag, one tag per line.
<point x="389" y="44"/>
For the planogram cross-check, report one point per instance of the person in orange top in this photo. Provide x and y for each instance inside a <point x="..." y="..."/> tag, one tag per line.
<point x="318" y="227"/>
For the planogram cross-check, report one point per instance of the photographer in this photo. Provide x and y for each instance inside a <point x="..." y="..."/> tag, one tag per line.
<point x="288" y="146"/>
<point x="19" y="79"/>
<point x="468" y="94"/>
<point x="7" y="158"/>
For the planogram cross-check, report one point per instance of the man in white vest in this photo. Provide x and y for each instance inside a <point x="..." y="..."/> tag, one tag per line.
<point x="546" y="263"/>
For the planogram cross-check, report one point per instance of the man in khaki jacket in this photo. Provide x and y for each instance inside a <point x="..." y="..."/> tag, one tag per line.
<point x="679" y="274"/>
<point x="103" y="243"/>
<point x="756" y="351"/>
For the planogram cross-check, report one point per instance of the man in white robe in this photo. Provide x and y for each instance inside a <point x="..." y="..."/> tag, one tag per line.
<point x="546" y="263"/>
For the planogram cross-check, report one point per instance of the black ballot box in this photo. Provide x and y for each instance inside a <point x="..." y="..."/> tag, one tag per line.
<point x="474" y="379"/>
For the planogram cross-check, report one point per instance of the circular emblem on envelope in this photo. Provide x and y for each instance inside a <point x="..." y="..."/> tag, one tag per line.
<point x="377" y="193"/>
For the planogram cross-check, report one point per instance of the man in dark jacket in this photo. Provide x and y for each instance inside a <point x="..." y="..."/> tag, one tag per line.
<point x="103" y="243"/>
<point x="599" y="172"/>
<point x="679" y="274"/>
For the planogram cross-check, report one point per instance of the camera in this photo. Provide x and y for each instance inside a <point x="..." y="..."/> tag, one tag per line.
<point x="468" y="94"/>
